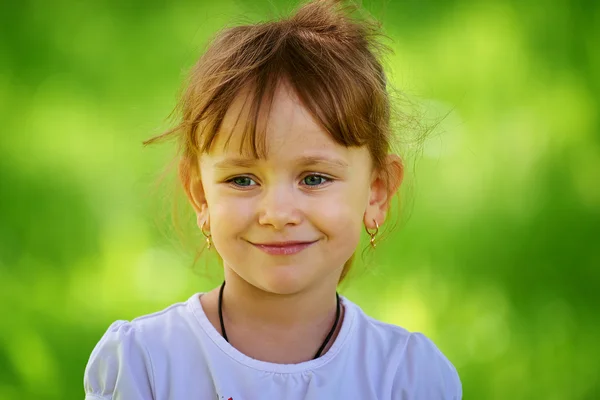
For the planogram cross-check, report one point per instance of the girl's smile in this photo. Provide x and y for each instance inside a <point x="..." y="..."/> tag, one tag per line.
<point x="284" y="248"/>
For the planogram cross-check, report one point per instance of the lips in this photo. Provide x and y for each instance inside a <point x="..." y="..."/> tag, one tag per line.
<point x="283" y="248"/>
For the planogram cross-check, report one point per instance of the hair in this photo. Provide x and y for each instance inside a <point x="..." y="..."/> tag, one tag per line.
<point x="328" y="56"/>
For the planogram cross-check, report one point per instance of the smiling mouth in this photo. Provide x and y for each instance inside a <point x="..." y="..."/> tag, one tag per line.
<point x="283" y="248"/>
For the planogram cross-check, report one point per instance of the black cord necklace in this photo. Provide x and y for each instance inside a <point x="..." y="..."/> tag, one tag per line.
<point x="327" y="339"/>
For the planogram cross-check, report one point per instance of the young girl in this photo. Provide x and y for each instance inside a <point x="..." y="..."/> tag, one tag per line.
<point x="285" y="160"/>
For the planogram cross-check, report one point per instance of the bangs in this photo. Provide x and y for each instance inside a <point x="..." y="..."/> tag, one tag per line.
<point x="256" y="95"/>
<point x="339" y="99"/>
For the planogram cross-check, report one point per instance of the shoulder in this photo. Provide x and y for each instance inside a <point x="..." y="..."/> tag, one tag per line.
<point x="377" y="335"/>
<point x="414" y="366"/>
<point x="125" y="358"/>
<point x="169" y="321"/>
<point x="426" y="372"/>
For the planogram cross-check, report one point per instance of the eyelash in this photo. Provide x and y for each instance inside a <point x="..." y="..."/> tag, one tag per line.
<point x="326" y="179"/>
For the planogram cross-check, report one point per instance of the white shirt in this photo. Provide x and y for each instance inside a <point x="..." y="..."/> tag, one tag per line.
<point x="177" y="354"/>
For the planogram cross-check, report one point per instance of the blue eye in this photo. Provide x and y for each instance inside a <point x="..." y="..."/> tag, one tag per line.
<point x="242" y="181"/>
<point x="314" y="180"/>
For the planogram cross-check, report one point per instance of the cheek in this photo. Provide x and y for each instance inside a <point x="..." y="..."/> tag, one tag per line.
<point x="229" y="216"/>
<point x="340" y="222"/>
<point x="340" y="217"/>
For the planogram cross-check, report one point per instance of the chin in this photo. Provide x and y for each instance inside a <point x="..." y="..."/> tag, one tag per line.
<point x="284" y="285"/>
<point x="283" y="280"/>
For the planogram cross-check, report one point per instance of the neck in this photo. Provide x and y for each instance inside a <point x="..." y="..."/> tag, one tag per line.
<point x="279" y="328"/>
<point x="246" y="304"/>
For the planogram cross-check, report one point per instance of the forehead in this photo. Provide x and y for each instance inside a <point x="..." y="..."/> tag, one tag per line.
<point x="282" y="125"/>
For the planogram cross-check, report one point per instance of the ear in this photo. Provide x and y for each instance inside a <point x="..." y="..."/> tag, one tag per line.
<point x="385" y="182"/>
<point x="189" y="174"/>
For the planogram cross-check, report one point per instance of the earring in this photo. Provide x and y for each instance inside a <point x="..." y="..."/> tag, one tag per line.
<point x="208" y="236"/>
<point x="373" y="234"/>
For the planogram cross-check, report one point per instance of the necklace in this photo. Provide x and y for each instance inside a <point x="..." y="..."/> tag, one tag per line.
<point x="327" y="339"/>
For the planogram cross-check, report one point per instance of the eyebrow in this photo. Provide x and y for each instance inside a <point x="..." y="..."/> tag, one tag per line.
<point x="313" y="160"/>
<point x="304" y="161"/>
<point x="235" y="162"/>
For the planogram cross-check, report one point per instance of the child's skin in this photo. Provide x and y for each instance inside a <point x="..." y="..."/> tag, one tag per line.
<point x="280" y="307"/>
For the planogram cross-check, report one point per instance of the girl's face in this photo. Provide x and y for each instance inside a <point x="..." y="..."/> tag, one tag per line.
<point x="289" y="221"/>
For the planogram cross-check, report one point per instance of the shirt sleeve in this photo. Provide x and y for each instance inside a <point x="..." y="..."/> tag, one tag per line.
<point x="119" y="367"/>
<point x="426" y="373"/>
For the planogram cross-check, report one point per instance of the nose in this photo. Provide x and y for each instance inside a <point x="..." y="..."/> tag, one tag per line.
<point x="279" y="207"/>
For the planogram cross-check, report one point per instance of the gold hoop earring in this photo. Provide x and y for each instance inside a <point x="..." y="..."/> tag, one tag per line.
<point x="373" y="234"/>
<point x="208" y="236"/>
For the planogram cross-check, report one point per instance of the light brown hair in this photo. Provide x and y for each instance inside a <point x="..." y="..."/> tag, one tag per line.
<point x="327" y="53"/>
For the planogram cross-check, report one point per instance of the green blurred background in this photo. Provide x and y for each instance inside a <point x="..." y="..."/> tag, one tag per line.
<point x="496" y="258"/>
